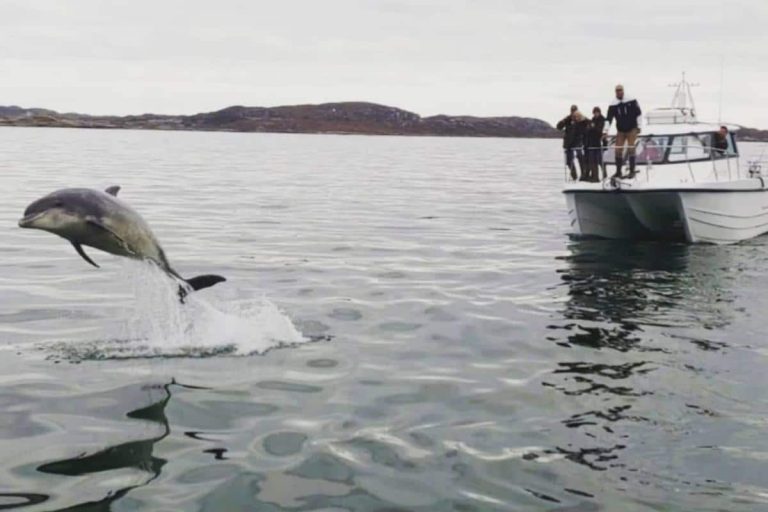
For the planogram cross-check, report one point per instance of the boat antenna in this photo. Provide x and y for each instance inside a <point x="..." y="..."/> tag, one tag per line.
<point x="720" y="101"/>
<point x="683" y="98"/>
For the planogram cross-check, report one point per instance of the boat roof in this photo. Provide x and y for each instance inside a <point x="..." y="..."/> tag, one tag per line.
<point x="650" y="128"/>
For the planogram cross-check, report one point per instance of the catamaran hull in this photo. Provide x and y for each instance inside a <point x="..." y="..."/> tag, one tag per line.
<point x="718" y="215"/>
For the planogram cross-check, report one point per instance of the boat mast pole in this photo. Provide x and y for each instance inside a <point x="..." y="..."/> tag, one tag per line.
<point x="683" y="97"/>
<point x="720" y="101"/>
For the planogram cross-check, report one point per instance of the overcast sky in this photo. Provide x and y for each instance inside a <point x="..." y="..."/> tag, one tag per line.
<point x="479" y="57"/>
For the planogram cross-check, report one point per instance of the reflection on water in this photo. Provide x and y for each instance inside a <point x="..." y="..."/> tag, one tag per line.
<point x="20" y="499"/>
<point x="626" y="303"/>
<point x="136" y="454"/>
<point x="617" y="290"/>
<point x="614" y="287"/>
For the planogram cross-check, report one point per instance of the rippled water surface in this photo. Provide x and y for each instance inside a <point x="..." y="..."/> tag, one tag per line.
<point x="406" y="326"/>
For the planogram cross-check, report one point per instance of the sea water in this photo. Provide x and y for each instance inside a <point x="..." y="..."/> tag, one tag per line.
<point x="405" y="325"/>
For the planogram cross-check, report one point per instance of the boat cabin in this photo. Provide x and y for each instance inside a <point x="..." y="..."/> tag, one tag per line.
<point x="687" y="146"/>
<point x="679" y="143"/>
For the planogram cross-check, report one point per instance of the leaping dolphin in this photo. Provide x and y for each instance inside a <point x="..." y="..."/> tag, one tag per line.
<point x="99" y="219"/>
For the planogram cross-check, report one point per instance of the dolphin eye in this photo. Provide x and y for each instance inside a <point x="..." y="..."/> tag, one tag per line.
<point x="58" y="204"/>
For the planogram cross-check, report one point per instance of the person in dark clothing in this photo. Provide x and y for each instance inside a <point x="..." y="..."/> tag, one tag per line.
<point x="574" y="126"/>
<point x="720" y="142"/>
<point x="593" y="142"/>
<point x="627" y="112"/>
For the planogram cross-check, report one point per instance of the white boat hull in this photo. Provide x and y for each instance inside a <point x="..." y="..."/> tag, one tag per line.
<point x="718" y="213"/>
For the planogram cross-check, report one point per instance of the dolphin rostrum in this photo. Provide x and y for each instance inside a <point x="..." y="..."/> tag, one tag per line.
<point x="99" y="219"/>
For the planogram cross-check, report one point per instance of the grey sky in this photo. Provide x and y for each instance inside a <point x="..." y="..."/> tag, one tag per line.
<point x="480" y="57"/>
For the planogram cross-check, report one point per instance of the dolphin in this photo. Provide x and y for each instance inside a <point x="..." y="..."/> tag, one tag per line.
<point x="99" y="219"/>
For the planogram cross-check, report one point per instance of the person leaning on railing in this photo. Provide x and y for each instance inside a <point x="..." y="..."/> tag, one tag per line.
<point x="574" y="126"/>
<point x="627" y="112"/>
<point x="720" y="142"/>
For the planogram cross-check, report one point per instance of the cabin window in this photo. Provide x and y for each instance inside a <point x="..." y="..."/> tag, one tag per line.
<point x="648" y="150"/>
<point x="651" y="149"/>
<point x="731" y="151"/>
<point x="688" y="147"/>
<point x="662" y="149"/>
<point x="707" y="142"/>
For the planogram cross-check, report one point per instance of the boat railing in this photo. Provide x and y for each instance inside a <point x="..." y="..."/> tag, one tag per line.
<point x="711" y="154"/>
<point x="757" y="168"/>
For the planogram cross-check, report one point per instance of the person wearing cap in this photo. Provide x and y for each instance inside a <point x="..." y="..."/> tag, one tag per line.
<point x="593" y="143"/>
<point x="574" y="125"/>
<point x="627" y="113"/>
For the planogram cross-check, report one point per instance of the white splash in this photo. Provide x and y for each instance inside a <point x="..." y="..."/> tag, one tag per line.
<point x="161" y="326"/>
<point x="167" y="327"/>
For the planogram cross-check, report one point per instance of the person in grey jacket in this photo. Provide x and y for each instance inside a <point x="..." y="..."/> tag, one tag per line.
<point x="627" y="113"/>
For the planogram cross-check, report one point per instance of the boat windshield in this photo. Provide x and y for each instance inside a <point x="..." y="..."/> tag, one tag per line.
<point x="671" y="149"/>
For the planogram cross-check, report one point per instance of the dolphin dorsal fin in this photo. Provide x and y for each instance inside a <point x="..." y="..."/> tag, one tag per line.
<point x="113" y="190"/>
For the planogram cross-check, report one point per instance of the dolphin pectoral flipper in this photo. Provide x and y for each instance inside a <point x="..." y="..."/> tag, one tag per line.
<point x="81" y="252"/>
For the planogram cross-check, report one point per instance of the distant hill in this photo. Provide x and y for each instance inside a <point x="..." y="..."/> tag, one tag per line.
<point x="346" y="118"/>
<point x="753" y="135"/>
<point x="14" y="111"/>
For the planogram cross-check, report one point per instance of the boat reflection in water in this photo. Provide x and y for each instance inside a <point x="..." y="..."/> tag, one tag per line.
<point x="619" y="290"/>
<point x="634" y="321"/>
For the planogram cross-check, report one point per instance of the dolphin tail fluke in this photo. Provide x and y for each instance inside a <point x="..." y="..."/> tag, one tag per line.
<point x="204" y="281"/>
<point x="195" y="283"/>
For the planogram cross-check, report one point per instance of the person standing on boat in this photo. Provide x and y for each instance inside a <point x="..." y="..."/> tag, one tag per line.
<point x="627" y="113"/>
<point x="574" y="126"/>
<point x="593" y="143"/>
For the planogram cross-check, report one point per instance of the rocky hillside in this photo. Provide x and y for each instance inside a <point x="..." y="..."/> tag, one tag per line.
<point x="348" y="117"/>
<point x="753" y="135"/>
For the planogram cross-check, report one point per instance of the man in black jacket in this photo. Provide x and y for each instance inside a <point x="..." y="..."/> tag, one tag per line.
<point x="720" y="142"/>
<point x="574" y="126"/>
<point x="627" y="112"/>
<point x="593" y="143"/>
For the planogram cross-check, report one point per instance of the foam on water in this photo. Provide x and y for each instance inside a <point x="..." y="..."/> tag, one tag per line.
<point x="161" y="326"/>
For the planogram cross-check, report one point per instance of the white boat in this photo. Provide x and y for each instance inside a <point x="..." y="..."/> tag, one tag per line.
<point x="684" y="189"/>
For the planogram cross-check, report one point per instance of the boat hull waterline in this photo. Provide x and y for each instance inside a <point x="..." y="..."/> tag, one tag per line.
<point x="714" y="213"/>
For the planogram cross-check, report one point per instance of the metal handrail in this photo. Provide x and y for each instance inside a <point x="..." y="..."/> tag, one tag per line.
<point x="664" y="146"/>
<point x="713" y="151"/>
<point x="756" y="167"/>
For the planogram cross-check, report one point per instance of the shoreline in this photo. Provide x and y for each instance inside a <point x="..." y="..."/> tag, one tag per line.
<point x="275" y="132"/>
<point x="361" y="118"/>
